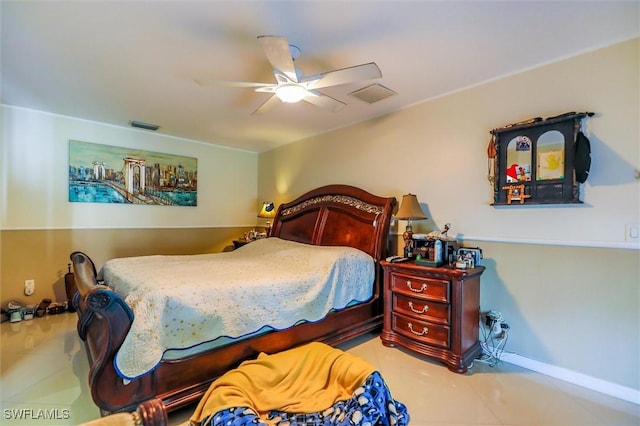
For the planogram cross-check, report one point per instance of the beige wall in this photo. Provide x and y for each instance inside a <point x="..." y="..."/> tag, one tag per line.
<point x="572" y="307"/>
<point x="437" y="150"/>
<point x="565" y="277"/>
<point x="35" y="175"/>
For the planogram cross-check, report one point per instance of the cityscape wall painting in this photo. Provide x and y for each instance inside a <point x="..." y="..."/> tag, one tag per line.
<point x="110" y="174"/>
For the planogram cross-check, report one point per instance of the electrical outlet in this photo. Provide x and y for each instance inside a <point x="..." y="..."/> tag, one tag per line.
<point x="29" y="287"/>
<point x="632" y="232"/>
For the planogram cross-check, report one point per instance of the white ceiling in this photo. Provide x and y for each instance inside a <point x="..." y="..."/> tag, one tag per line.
<point x="116" y="61"/>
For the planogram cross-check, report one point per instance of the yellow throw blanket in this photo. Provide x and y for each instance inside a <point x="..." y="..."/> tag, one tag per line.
<point x="306" y="379"/>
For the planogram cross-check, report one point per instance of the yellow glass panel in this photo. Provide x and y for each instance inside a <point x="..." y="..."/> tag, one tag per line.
<point x="550" y="156"/>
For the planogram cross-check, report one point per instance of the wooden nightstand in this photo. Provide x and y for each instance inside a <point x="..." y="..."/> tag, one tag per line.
<point x="433" y="311"/>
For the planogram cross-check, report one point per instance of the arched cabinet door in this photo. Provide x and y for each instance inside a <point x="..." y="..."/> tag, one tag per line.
<point x="535" y="161"/>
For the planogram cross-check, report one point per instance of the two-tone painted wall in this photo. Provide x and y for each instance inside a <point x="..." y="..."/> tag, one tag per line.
<point x="565" y="277"/>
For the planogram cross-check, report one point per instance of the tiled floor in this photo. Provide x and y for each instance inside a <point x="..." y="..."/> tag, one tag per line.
<point x="43" y="369"/>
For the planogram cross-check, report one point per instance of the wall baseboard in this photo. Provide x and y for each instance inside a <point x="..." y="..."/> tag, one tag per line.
<point x="598" y="385"/>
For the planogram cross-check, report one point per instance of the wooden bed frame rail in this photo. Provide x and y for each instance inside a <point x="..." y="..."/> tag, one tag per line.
<point x="331" y="215"/>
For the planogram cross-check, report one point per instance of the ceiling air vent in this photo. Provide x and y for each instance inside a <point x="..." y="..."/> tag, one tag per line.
<point x="146" y="126"/>
<point x="373" y="93"/>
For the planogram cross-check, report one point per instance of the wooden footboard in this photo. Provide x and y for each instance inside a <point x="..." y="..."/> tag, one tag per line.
<point x="104" y="319"/>
<point x="333" y="215"/>
<point x="149" y="413"/>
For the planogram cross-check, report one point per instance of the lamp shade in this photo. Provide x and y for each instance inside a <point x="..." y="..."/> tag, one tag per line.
<point x="410" y="208"/>
<point x="268" y="210"/>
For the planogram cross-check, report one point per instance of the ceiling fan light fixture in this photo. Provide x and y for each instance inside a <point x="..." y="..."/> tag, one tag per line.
<point x="291" y="93"/>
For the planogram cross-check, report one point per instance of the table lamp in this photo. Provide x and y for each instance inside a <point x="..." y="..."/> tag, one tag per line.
<point x="409" y="210"/>
<point x="268" y="211"/>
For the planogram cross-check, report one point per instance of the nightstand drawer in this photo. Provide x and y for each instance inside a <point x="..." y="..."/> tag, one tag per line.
<point x="421" y="287"/>
<point x="422" y="309"/>
<point x="421" y="331"/>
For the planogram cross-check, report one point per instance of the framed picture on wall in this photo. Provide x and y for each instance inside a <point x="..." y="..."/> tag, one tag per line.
<point x="111" y="174"/>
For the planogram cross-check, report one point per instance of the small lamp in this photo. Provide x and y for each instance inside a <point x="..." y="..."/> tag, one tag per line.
<point x="409" y="210"/>
<point x="268" y="211"/>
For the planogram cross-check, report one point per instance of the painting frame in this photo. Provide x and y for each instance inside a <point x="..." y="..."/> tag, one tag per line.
<point x="101" y="173"/>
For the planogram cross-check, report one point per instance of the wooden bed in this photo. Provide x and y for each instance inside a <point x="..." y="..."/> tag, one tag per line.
<point x="334" y="215"/>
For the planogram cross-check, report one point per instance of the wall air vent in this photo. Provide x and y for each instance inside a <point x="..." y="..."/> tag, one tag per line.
<point x="146" y="126"/>
<point x="373" y="93"/>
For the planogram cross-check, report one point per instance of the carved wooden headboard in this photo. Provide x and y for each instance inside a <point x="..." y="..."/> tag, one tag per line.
<point x="337" y="215"/>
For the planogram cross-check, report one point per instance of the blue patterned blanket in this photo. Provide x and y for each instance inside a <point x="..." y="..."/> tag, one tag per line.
<point x="371" y="403"/>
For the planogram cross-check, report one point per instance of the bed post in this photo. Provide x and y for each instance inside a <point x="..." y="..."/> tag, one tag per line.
<point x="104" y="320"/>
<point x="149" y="413"/>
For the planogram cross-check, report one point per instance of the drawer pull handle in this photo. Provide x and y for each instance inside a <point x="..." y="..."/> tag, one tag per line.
<point x="425" y="330"/>
<point x="422" y="311"/>
<point x="422" y="288"/>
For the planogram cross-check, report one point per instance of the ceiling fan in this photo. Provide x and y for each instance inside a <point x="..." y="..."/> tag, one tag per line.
<point x="291" y="85"/>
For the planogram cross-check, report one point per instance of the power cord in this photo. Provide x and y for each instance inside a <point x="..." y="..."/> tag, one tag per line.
<point x="495" y="334"/>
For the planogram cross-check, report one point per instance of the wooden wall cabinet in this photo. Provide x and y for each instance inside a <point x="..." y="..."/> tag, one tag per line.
<point x="535" y="161"/>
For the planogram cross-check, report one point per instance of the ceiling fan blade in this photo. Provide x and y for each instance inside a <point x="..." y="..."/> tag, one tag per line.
<point x="344" y="76"/>
<point x="267" y="106"/>
<point x="267" y="89"/>
<point x="279" y="55"/>
<point x="324" y="101"/>
<point x="215" y="82"/>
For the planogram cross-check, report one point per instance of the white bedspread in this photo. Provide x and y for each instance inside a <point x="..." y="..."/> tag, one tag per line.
<point x="182" y="301"/>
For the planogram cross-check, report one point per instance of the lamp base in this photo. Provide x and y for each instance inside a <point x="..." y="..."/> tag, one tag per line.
<point x="408" y="242"/>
